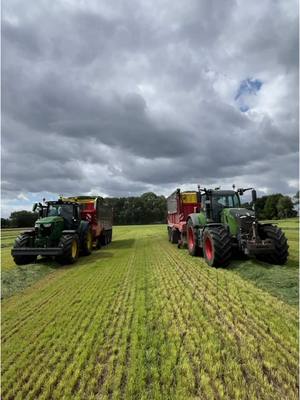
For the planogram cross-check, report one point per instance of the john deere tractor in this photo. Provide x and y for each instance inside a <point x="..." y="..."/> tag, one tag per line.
<point x="222" y="227"/>
<point x="58" y="232"/>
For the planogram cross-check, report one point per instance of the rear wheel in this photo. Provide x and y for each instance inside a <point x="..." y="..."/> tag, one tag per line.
<point x="87" y="245"/>
<point x="70" y="245"/>
<point x="280" y="254"/>
<point x="217" y="246"/>
<point x="191" y="235"/>
<point x="23" y="240"/>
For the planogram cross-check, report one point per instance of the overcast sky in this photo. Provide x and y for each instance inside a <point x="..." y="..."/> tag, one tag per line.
<point x="117" y="98"/>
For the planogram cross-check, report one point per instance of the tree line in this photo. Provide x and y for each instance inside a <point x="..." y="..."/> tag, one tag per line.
<point x="152" y="209"/>
<point x="275" y="206"/>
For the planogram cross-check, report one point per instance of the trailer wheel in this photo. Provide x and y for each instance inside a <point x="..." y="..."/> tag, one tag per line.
<point x="169" y="234"/>
<point x="104" y="239"/>
<point x="70" y="245"/>
<point x="191" y="236"/>
<point x="174" y="236"/>
<point x="217" y="246"/>
<point x="22" y="241"/>
<point x="280" y="255"/>
<point x="87" y="243"/>
<point x="109" y="236"/>
<point x="98" y="243"/>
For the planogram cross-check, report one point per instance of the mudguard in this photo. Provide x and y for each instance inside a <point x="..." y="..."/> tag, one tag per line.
<point x="195" y="219"/>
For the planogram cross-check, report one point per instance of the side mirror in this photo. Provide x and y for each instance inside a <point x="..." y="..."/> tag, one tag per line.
<point x="254" y="197"/>
<point x="34" y="207"/>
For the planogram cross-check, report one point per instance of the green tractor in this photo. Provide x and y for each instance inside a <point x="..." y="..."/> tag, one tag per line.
<point x="58" y="232"/>
<point x="222" y="228"/>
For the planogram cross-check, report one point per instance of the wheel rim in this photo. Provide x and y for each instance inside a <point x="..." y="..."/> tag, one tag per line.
<point x="191" y="240"/>
<point x="74" y="249"/>
<point x="208" y="249"/>
<point x="89" y="240"/>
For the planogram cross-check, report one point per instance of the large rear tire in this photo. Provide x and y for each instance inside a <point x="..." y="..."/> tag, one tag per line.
<point x="191" y="236"/>
<point x="70" y="245"/>
<point x="217" y="246"/>
<point x="22" y="241"/>
<point x="87" y="244"/>
<point x="280" y="255"/>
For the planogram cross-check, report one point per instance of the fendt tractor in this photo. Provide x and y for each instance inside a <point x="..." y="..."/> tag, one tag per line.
<point x="213" y="224"/>
<point x="60" y="232"/>
<point x="94" y="210"/>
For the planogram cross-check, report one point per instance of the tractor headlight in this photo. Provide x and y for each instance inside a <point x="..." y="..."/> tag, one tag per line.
<point x="46" y="225"/>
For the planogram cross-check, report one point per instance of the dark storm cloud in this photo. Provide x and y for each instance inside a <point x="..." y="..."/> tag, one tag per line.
<point x="119" y="100"/>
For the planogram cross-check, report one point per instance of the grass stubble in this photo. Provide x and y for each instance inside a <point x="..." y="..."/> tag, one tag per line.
<point x="141" y="319"/>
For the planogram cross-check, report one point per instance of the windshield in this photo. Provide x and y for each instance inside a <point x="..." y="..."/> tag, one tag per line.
<point x="228" y="200"/>
<point x="60" y="210"/>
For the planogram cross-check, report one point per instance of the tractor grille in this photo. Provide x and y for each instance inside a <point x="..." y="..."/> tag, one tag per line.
<point x="45" y="231"/>
<point x="246" y="224"/>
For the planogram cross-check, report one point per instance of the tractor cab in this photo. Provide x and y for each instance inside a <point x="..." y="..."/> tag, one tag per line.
<point x="69" y="211"/>
<point x="221" y="200"/>
<point x="54" y="217"/>
<point x="220" y="205"/>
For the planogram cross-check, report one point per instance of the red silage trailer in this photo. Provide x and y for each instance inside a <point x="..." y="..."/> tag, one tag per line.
<point x="180" y="205"/>
<point x="100" y="217"/>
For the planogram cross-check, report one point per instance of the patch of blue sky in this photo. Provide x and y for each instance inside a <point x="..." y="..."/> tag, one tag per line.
<point x="248" y="87"/>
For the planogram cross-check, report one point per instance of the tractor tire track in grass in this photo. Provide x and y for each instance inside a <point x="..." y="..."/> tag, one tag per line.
<point x="141" y="319"/>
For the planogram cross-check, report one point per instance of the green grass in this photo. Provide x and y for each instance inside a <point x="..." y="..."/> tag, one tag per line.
<point x="141" y="319"/>
<point x="281" y="281"/>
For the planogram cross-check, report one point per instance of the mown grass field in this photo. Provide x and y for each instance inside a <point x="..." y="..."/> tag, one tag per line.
<point x="141" y="319"/>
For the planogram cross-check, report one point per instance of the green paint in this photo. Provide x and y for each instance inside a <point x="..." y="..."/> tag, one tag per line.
<point x="229" y="219"/>
<point x="202" y="218"/>
<point x="49" y="230"/>
<point x="49" y="220"/>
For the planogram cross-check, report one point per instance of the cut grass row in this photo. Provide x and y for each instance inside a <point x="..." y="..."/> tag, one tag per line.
<point x="141" y="319"/>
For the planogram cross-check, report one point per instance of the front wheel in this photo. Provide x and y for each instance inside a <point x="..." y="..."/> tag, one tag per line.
<point x="280" y="254"/>
<point x="70" y="245"/>
<point x="217" y="246"/>
<point x="23" y="240"/>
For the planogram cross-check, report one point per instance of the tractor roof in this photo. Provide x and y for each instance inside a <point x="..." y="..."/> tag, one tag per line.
<point x="223" y="192"/>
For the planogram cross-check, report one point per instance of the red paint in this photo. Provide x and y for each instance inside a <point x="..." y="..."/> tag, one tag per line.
<point x="191" y="240"/>
<point x="177" y="219"/>
<point x="208" y="249"/>
<point x="100" y="217"/>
